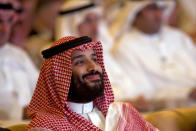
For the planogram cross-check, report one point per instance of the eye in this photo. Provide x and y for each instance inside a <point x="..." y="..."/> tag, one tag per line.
<point x="94" y="59"/>
<point x="10" y="19"/>
<point x="80" y="62"/>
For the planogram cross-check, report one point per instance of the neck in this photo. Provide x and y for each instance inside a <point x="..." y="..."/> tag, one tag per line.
<point x="148" y="32"/>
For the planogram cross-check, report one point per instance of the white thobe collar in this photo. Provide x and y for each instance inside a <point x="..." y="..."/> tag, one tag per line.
<point x="81" y="108"/>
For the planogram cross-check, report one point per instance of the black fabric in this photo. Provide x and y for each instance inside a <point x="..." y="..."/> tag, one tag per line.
<point x="6" y="6"/>
<point x="76" y="9"/>
<point x="65" y="46"/>
<point x="4" y="129"/>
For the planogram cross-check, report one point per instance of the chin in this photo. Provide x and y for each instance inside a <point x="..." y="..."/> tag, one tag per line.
<point x="93" y="84"/>
<point x="95" y="91"/>
<point x="86" y="91"/>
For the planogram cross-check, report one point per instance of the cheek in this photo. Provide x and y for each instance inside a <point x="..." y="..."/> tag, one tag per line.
<point x="83" y="29"/>
<point x="99" y="69"/>
<point x="1" y="29"/>
<point x="8" y="29"/>
<point x="78" y="73"/>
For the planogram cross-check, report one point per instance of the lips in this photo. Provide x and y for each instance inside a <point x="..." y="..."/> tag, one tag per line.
<point x="93" y="77"/>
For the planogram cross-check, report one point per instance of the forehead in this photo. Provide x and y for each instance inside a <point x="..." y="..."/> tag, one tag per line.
<point x="91" y="15"/>
<point x="152" y="6"/>
<point x="82" y="52"/>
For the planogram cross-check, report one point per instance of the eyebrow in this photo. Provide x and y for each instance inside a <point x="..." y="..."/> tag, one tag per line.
<point x="77" y="57"/>
<point x="80" y="56"/>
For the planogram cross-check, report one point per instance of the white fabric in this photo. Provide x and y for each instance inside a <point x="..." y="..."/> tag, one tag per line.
<point x="18" y="77"/>
<point x="124" y="117"/>
<point x="159" y="66"/>
<point x="89" y="112"/>
<point x="81" y="108"/>
<point x="113" y="117"/>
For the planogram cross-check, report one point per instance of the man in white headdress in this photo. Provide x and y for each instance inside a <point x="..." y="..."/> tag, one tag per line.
<point x="160" y="61"/>
<point x="17" y="73"/>
<point x="84" y="18"/>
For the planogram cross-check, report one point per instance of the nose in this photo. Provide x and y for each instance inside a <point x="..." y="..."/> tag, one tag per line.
<point x="91" y="66"/>
<point x="95" y="26"/>
<point x="159" y="14"/>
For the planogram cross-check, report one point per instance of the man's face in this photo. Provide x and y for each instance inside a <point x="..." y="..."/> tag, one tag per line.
<point x="89" y="27"/>
<point x="7" y="19"/>
<point x="149" y="19"/>
<point x="87" y="79"/>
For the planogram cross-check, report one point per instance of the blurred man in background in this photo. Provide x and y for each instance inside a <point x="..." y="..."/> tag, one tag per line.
<point x="82" y="18"/>
<point x="17" y="73"/>
<point x="42" y="34"/>
<point x="24" y="24"/>
<point x="160" y="61"/>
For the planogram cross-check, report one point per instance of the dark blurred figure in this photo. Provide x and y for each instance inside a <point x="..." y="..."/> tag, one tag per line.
<point x="4" y="129"/>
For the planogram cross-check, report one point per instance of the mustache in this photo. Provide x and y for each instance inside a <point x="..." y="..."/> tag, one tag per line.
<point x="92" y="73"/>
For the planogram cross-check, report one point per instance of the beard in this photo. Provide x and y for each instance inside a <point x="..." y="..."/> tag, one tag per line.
<point x="81" y="91"/>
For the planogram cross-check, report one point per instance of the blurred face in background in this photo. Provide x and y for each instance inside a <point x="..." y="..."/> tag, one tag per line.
<point x="7" y="20"/>
<point x="89" y="27"/>
<point x="23" y="25"/>
<point x="149" y="19"/>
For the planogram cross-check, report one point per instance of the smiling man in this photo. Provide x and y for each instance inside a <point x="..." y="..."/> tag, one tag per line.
<point x="74" y="93"/>
<point x="89" y="77"/>
<point x="73" y="88"/>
